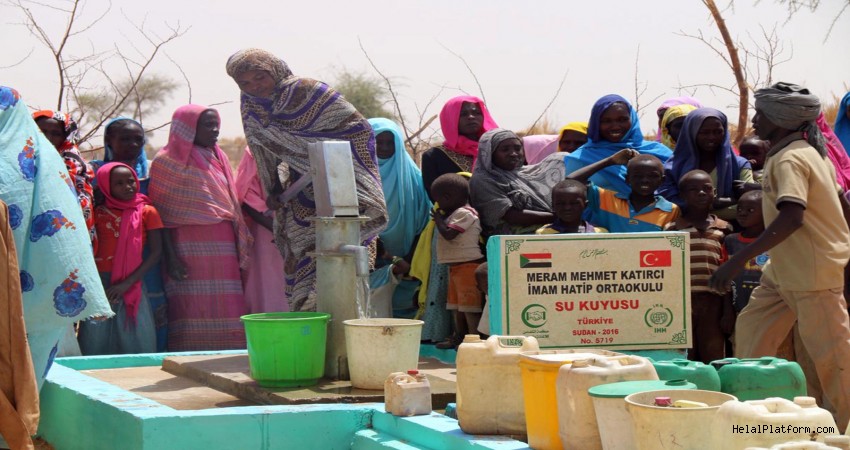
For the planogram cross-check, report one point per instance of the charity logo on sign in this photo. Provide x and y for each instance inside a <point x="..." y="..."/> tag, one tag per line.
<point x="534" y="316"/>
<point x="656" y="258"/>
<point x="658" y="316"/>
<point x="535" y="260"/>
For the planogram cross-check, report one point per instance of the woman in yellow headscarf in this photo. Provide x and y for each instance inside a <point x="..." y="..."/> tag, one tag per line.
<point x="572" y="136"/>
<point x="671" y="123"/>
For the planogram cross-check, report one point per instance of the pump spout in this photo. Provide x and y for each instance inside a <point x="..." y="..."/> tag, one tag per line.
<point x="361" y="258"/>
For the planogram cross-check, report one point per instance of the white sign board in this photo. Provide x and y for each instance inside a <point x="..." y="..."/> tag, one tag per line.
<point x="627" y="291"/>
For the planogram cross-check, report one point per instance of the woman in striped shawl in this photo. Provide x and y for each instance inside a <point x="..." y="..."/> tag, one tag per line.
<point x="281" y="114"/>
<point x="193" y="189"/>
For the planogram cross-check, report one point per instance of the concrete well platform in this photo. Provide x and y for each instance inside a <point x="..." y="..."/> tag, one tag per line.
<point x="129" y="402"/>
<point x="230" y="374"/>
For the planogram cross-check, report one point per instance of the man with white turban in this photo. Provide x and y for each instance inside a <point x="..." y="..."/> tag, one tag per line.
<point x="809" y="243"/>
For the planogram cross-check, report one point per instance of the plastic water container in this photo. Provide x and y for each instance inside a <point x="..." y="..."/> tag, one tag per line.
<point x="666" y="428"/>
<point x="738" y="425"/>
<point x="760" y="378"/>
<point x="379" y="347"/>
<point x="703" y="375"/>
<point x="614" y="422"/>
<point x="539" y="372"/>
<point x="286" y="349"/>
<point x="489" y="384"/>
<point x="407" y="394"/>
<point x="577" y="424"/>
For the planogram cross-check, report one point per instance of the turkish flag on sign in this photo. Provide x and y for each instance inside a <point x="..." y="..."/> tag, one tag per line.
<point x="655" y="258"/>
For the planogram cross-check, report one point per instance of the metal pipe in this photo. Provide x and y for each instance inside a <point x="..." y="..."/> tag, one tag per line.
<point x="361" y="258"/>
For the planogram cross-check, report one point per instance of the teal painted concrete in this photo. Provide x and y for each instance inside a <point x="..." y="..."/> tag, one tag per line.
<point x="122" y="361"/>
<point x="81" y="412"/>
<point x="494" y="285"/>
<point x="375" y="440"/>
<point x="437" y="431"/>
<point x="447" y="356"/>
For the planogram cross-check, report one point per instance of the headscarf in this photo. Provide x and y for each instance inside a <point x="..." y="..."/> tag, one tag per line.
<point x="128" y="251"/>
<point x="673" y="113"/>
<point x="836" y="153"/>
<point x="141" y="165"/>
<point x="539" y="146"/>
<point x="408" y="205"/>
<point x="59" y="279"/>
<point x="257" y="59"/>
<point x="581" y="127"/>
<point x="187" y="187"/>
<point x="449" y="118"/>
<point x="278" y="129"/>
<point x="81" y="173"/>
<point x="686" y="157"/>
<point x="842" y="122"/>
<point x="301" y="111"/>
<point x="494" y="190"/>
<point x="793" y="107"/>
<point x="613" y="177"/>
<point x="671" y="102"/>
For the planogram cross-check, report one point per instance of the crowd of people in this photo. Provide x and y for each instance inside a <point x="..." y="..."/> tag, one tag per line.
<point x="149" y="256"/>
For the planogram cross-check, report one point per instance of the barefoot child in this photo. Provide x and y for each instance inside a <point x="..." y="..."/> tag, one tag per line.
<point x="641" y="210"/>
<point x="712" y="314"/>
<point x="457" y="246"/>
<point x="124" y="223"/>
<point x="569" y="198"/>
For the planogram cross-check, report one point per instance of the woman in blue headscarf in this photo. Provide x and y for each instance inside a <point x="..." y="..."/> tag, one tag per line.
<point x="408" y="207"/>
<point x="407" y="202"/>
<point x="842" y="122"/>
<point x="613" y="126"/>
<point x="704" y="144"/>
<point x="58" y="276"/>
<point x="124" y="141"/>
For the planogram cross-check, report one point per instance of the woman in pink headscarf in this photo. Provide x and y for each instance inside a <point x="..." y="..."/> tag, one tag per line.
<point x="193" y="188"/>
<point x="463" y="120"/>
<point x="836" y="153"/>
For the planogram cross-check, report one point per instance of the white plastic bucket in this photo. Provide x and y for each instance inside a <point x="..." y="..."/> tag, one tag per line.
<point x="614" y="422"/>
<point x="378" y="347"/>
<point x="666" y="428"/>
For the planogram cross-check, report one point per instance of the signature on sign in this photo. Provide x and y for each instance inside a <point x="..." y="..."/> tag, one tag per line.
<point x="593" y="252"/>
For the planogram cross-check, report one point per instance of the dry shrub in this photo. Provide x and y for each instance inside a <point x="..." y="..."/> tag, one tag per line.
<point x="543" y="126"/>
<point x="234" y="148"/>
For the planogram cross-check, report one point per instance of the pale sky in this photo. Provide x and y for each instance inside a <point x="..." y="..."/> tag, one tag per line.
<point x="519" y="50"/>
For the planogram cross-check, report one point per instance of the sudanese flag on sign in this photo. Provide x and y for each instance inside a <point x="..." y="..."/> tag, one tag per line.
<point x="535" y="260"/>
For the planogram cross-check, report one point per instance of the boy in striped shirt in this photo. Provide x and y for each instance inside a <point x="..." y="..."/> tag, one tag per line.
<point x="713" y="315"/>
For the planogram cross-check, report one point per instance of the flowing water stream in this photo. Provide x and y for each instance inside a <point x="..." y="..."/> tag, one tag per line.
<point x="363" y="298"/>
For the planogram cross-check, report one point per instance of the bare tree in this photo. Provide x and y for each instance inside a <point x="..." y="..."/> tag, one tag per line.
<point x="752" y="63"/>
<point x="794" y="6"/>
<point x="79" y="76"/>
<point x="641" y="88"/>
